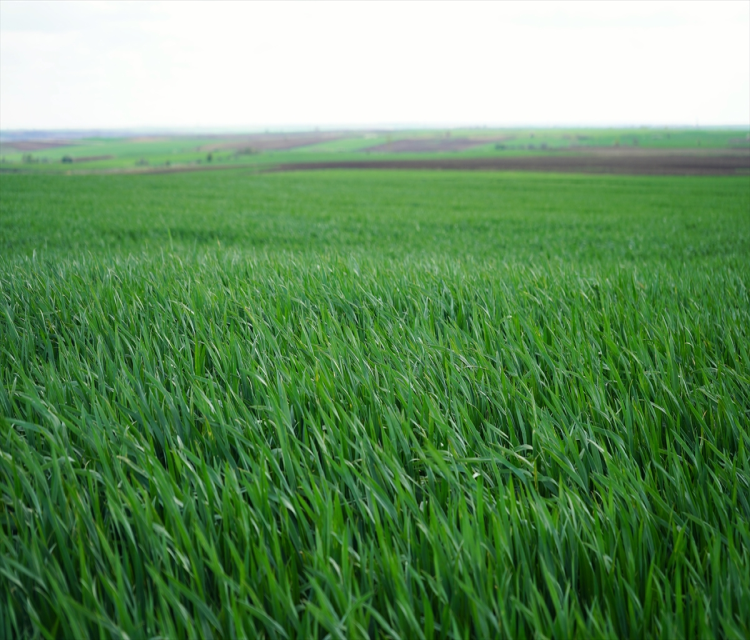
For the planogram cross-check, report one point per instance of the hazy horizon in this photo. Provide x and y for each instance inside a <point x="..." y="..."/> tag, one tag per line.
<point x="381" y="127"/>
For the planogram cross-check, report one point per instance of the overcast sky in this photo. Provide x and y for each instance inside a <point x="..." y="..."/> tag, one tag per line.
<point x="250" y="65"/>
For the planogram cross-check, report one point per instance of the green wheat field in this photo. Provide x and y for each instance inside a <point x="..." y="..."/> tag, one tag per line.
<point x="374" y="404"/>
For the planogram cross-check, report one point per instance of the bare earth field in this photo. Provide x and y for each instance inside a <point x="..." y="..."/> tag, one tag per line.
<point x="614" y="161"/>
<point x="432" y="145"/>
<point x="91" y="158"/>
<point x="37" y="145"/>
<point x="273" y="141"/>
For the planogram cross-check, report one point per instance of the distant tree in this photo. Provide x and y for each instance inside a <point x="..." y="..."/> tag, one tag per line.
<point x="67" y="160"/>
<point x="209" y="157"/>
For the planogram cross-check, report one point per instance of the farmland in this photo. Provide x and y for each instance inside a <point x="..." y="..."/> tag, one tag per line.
<point x="419" y="404"/>
<point x="502" y="149"/>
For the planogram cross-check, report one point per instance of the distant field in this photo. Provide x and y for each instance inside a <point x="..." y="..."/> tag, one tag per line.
<point x="264" y="150"/>
<point x="350" y="404"/>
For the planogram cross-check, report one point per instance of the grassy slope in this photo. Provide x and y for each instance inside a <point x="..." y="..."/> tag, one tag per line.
<point x="406" y="404"/>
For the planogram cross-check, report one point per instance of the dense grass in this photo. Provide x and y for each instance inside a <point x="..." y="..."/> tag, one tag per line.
<point x="397" y="405"/>
<point x="496" y="215"/>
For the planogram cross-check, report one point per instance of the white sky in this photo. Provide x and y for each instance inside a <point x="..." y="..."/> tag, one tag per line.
<point x="247" y="65"/>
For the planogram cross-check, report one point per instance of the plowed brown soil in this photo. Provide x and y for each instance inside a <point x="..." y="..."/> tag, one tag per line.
<point x="651" y="163"/>
<point x="91" y="158"/>
<point x="36" y="145"/>
<point x="431" y="145"/>
<point x="272" y="141"/>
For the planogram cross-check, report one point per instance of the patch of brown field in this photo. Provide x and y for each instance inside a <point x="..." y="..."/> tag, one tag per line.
<point x="432" y="145"/>
<point x="36" y="145"/>
<point x="91" y="158"/>
<point x="189" y="168"/>
<point x="149" y="139"/>
<point x="633" y="164"/>
<point x="272" y="141"/>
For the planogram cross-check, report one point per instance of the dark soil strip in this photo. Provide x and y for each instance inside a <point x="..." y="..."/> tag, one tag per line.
<point x="666" y="165"/>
